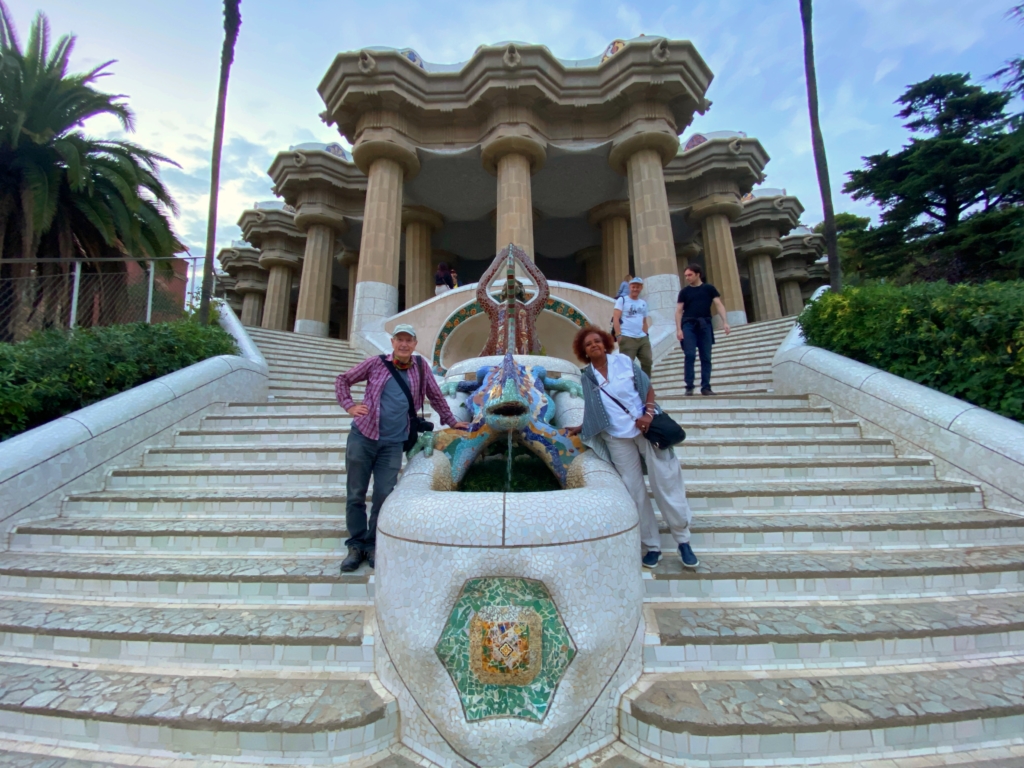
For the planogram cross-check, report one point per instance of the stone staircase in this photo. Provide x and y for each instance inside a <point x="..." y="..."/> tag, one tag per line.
<point x="850" y="607"/>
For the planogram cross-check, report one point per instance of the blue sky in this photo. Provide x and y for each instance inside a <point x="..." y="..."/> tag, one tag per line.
<point x="168" y="54"/>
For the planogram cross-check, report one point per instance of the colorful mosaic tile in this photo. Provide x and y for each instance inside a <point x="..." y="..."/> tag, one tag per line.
<point x="473" y="309"/>
<point x="506" y="648"/>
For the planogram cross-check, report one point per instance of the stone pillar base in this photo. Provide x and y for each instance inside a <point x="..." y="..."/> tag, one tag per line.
<point x="374" y="304"/>
<point x="312" y="328"/>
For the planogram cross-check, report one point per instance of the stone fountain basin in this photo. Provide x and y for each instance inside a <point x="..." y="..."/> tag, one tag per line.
<point x="581" y="543"/>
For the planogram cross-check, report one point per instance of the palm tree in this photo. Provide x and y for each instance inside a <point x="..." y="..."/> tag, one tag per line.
<point x="820" y="161"/>
<point x="232" y="22"/>
<point x="64" y="195"/>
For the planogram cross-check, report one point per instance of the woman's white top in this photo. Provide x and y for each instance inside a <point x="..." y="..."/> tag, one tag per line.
<point x="621" y="386"/>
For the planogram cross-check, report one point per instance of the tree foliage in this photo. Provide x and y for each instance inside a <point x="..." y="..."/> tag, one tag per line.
<point x="63" y="194"/>
<point x="964" y="340"/>
<point x="951" y="197"/>
<point x="55" y="372"/>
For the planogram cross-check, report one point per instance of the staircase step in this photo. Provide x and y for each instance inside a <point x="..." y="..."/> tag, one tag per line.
<point x="725" y="413"/>
<point x="229" y="475"/>
<point x="228" y="454"/>
<point x="164" y="535"/>
<point x="789" y="529"/>
<point x="837" y="572"/>
<point x="780" y="447"/>
<point x="289" y="418"/>
<point x="811" y="468"/>
<point x="281" y="435"/>
<point x="181" y="500"/>
<point x="873" y="712"/>
<point x="142" y="634"/>
<point x="864" y="632"/>
<point x="248" y="717"/>
<point x="757" y="429"/>
<point x="807" y="496"/>
<point x="327" y="405"/>
<point x="196" y="577"/>
<point x="737" y="400"/>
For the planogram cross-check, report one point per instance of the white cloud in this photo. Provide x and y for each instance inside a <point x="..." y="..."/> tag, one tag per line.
<point x="936" y="26"/>
<point x="885" y="67"/>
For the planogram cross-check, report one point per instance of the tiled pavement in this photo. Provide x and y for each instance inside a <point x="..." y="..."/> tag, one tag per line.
<point x="850" y="606"/>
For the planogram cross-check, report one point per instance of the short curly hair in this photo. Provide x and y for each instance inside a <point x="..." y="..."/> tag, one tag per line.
<point x="582" y="333"/>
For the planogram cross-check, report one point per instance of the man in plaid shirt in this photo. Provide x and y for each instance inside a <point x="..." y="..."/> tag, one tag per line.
<point x="380" y="425"/>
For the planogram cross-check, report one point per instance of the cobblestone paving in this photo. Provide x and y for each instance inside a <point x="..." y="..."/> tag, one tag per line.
<point x="863" y="564"/>
<point x="240" y="569"/>
<point x="202" y="703"/>
<point x="259" y="627"/>
<point x="174" y="527"/>
<point x="867" y="521"/>
<point x="841" y="621"/>
<point x="797" y="705"/>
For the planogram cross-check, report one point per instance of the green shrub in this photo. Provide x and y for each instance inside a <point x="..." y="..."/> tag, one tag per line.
<point x="56" y="372"/>
<point x="964" y="340"/>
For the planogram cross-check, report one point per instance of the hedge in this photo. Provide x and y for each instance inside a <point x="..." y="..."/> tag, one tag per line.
<point x="56" y="372"/>
<point x="964" y="340"/>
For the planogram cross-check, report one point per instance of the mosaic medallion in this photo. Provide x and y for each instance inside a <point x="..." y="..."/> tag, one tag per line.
<point x="506" y="648"/>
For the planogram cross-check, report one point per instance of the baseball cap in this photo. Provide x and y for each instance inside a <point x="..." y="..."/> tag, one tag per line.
<point x="404" y="328"/>
<point x="637" y="280"/>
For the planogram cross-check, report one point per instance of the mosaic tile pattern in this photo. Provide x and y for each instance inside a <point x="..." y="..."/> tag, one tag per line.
<point x="506" y="648"/>
<point x="473" y="309"/>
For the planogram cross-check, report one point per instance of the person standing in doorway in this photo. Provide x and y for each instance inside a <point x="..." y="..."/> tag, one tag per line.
<point x="693" y="325"/>
<point x="631" y="321"/>
<point x="380" y="425"/>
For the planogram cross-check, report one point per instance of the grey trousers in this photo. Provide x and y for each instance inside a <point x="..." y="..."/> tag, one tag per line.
<point x="666" y="483"/>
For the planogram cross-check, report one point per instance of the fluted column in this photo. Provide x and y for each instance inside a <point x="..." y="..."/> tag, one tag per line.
<point x="591" y="261"/>
<point x="318" y="212"/>
<point x="613" y="218"/>
<point x="419" y="224"/>
<point x="350" y="259"/>
<point x="715" y="216"/>
<point x="757" y="233"/>
<point x="387" y="159"/>
<point x="792" y="299"/>
<point x="514" y="159"/>
<point x="279" y="290"/>
<point x="243" y="264"/>
<point x="763" y="293"/>
<point x="642" y="155"/>
<point x="252" y="309"/>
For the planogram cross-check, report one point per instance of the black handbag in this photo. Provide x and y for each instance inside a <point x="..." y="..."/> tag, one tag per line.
<point x="417" y="424"/>
<point x="663" y="430"/>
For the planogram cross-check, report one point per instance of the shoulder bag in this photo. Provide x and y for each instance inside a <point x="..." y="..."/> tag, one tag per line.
<point x="417" y="424"/>
<point x="663" y="430"/>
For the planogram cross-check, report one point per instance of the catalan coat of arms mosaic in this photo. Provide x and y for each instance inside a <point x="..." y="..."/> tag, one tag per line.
<point x="506" y="648"/>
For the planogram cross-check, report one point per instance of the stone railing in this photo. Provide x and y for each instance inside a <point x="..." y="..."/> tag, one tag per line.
<point x="968" y="443"/>
<point x="73" y="454"/>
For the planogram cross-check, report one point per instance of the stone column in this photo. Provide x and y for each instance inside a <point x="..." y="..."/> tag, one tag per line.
<point x="613" y="218"/>
<point x="387" y="159"/>
<point x="419" y="224"/>
<point x="514" y="159"/>
<point x="757" y="234"/>
<point x="642" y="154"/>
<point x="792" y="299"/>
<point x="243" y="264"/>
<point x="350" y="259"/>
<point x="686" y="254"/>
<point x="279" y="292"/>
<point x="800" y="250"/>
<point x="281" y="248"/>
<point x="714" y="214"/>
<point x="591" y="261"/>
<point x="318" y="213"/>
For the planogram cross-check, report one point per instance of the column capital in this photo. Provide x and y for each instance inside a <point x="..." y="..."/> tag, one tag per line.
<point x="347" y="258"/>
<point x="242" y="262"/>
<point x="664" y="141"/>
<point x="384" y="133"/>
<point x="423" y="215"/>
<point x="762" y="222"/>
<point x="607" y="210"/>
<point x="513" y="139"/>
<point x="689" y="250"/>
<point x="272" y="230"/>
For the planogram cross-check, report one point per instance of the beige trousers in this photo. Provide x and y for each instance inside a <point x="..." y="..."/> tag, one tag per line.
<point x="666" y="478"/>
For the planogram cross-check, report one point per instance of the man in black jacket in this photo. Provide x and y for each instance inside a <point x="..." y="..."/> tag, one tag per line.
<point x="693" y="325"/>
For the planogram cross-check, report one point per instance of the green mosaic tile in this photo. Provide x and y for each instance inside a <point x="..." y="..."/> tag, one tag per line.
<point x="506" y="648"/>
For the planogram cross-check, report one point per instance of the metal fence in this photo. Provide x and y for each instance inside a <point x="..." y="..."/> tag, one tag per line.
<point x="51" y="293"/>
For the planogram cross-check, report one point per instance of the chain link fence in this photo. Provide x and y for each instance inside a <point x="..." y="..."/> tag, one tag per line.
<point x="50" y="293"/>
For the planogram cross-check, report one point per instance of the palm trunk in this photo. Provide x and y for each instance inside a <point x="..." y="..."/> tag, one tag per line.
<point x="232" y="21"/>
<point x="818" y="142"/>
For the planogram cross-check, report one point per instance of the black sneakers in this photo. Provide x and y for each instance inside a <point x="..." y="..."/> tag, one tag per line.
<point x="706" y="391"/>
<point x="689" y="391"/>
